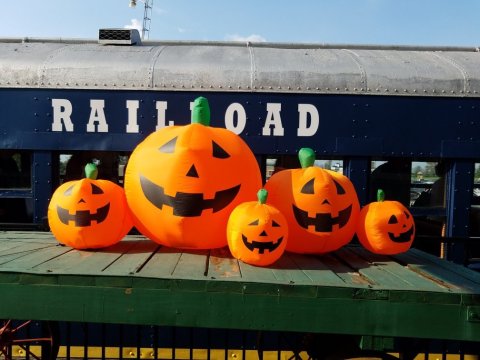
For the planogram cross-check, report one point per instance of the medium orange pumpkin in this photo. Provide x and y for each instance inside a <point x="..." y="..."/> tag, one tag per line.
<point x="257" y="232"/>
<point x="89" y="213"/>
<point x="321" y="206"/>
<point x="386" y="226"/>
<point x="182" y="182"/>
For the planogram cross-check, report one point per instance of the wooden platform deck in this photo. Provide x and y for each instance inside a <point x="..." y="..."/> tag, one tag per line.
<point x="139" y="282"/>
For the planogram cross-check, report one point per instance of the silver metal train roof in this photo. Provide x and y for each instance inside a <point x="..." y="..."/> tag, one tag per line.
<point x="250" y="67"/>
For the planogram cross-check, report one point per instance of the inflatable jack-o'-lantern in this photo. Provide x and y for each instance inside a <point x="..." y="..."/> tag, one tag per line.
<point x="257" y="233"/>
<point x="89" y="213"/>
<point x="385" y="226"/>
<point x="321" y="206"/>
<point x="182" y="182"/>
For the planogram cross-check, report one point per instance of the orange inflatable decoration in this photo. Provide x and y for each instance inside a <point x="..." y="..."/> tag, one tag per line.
<point x="257" y="233"/>
<point x="89" y="213"/>
<point x="386" y="226"/>
<point x="321" y="206"/>
<point x="182" y="182"/>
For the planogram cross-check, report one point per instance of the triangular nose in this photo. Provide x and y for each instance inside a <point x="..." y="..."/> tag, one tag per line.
<point x="264" y="233"/>
<point x="192" y="172"/>
<point x="81" y="201"/>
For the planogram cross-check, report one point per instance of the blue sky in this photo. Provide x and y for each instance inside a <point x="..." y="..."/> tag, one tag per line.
<point x="398" y="22"/>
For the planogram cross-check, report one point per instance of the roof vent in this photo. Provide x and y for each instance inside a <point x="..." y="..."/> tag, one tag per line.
<point x="119" y="37"/>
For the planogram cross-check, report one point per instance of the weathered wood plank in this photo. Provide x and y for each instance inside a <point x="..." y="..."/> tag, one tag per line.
<point x="349" y="275"/>
<point x="221" y="265"/>
<point x="192" y="264"/>
<point x="30" y="260"/>
<point x="28" y="236"/>
<point x="414" y="280"/>
<point x="387" y="276"/>
<point x="315" y="271"/>
<point x="443" y="275"/>
<point x="133" y="259"/>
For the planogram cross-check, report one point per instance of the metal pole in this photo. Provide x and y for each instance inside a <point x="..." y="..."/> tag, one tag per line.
<point x="147" y="13"/>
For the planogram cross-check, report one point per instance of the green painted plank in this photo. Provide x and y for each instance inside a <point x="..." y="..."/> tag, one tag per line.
<point x="30" y="236"/>
<point x="439" y="273"/>
<point x="349" y="275"/>
<point x="259" y="311"/>
<point x="378" y="275"/>
<point x="161" y="265"/>
<point x="8" y="258"/>
<point x="20" y="248"/>
<point x="7" y="245"/>
<point x="192" y="264"/>
<point x="90" y="262"/>
<point x="27" y="262"/>
<point x="286" y="271"/>
<point x="221" y="265"/>
<point x="256" y="274"/>
<point x="316" y="271"/>
<point x="412" y="278"/>
<point x="135" y="256"/>
<point x="75" y="262"/>
<point x="176" y="263"/>
<point x="456" y="268"/>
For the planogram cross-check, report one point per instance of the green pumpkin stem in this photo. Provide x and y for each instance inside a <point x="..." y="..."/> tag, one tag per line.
<point x="201" y="111"/>
<point x="380" y="195"/>
<point x="306" y="157"/>
<point x="262" y="195"/>
<point x="91" y="171"/>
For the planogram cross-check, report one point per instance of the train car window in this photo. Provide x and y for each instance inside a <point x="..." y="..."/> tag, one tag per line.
<point x="282" y="162"/>
<point x="393" y="176"/>
<point x="475" y="206"/>
<point x="15" y="187"/>
<point x="428" y="184"/>
<point x="110" y="165"/>
<point x="15" y="169"/>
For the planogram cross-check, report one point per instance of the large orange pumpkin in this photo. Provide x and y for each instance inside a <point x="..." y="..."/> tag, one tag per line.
<point x="182" y="182"/>
<point x="257" y="232"/>
<point x="321" y="206"/>
<point x="385" y="226"/>
<point x="89" y="213"/>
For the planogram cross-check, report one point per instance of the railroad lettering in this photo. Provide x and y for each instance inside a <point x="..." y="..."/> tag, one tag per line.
<point x="235" y="117"/>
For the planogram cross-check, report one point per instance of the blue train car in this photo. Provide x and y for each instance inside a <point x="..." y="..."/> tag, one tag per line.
<point x="357" y="106"/>
<point x="406" y="119"/>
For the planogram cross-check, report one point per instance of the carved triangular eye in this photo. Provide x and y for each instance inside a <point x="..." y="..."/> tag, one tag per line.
<point x="407" y="214"/>
<point x="96" y="190"/>
<point x="218" y="152"/>
<point x="169" y="147"/>
<point x="254" y="223"/>
<point x="192" y="172"/>
<point x="340" y="189"/>
<point x="275" y="224"/>
<point x="308" y="187"/>
<point x="68" y="192"/>
<point x="393" y="220"/>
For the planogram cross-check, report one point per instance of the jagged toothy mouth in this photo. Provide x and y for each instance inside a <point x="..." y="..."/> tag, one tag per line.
<point x="187" y="204"/>
<point x="261" y="245"/>
<point x="323" y="222"/>
<point x="403" y="237"/>
<point x="83" y="217"/>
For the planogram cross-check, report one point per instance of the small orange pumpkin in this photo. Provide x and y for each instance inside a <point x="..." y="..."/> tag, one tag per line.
<point x="89" y="213"/>
<point x="385" y="226"/>
<point x="321" y="206"/>
<point x="182" y="182"/>
<point x="257" y="233"/>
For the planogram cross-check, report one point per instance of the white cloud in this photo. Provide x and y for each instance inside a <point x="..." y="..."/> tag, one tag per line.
<point x="135" y="24"/>
<point x="250" y="38"/>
